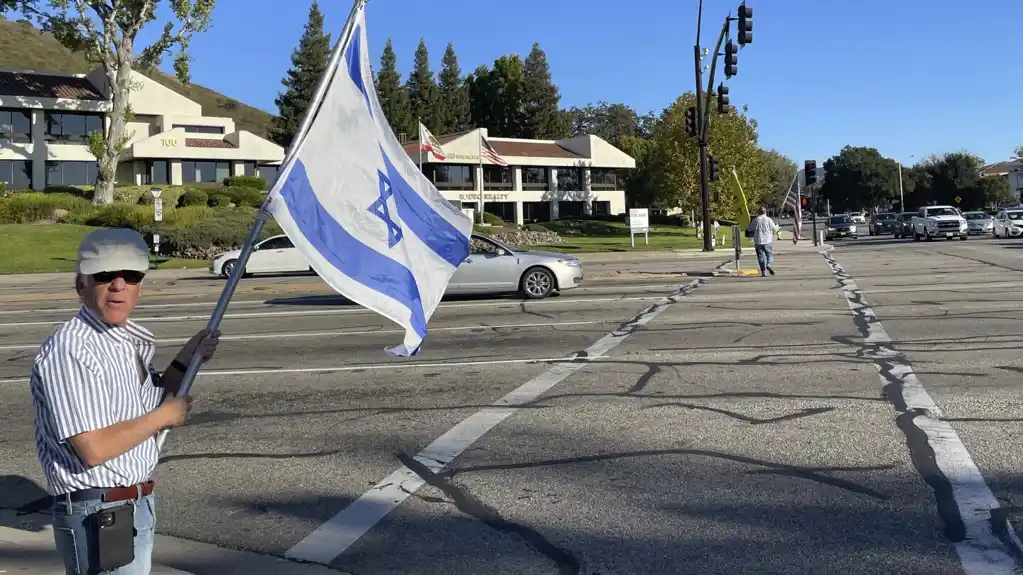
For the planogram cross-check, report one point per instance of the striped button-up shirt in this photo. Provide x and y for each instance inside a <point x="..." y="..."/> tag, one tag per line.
<point x="90" y="375"/>
<point x="764" y="229"/>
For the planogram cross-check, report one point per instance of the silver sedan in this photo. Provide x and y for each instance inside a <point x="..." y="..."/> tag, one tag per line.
<point x="495" y="267"/>
<point x="979" y="222"/>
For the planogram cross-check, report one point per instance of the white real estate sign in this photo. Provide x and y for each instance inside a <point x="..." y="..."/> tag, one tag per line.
<point x="639" y="223"/>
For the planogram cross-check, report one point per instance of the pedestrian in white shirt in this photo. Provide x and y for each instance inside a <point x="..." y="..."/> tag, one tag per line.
<point x="763" y="229"/>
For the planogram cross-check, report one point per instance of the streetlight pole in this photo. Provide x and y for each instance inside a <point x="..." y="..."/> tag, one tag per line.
<point x="902" y="198"/>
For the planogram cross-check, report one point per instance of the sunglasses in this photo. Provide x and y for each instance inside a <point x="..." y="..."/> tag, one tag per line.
<point x="129" y="276"/>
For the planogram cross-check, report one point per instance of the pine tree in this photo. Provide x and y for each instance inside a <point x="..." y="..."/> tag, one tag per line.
<point x="453" y="105"/>
<point x="308" y="62"/>
<point x="422" y="91"/>
<point x="540" y="99"/>
<point x="392" y="96"/>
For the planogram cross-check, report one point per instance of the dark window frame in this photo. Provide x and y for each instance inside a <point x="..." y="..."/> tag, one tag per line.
<point x="502" y="175"/>
<point x="197" y="129"/>
<point x="434" y="171"/>
<point x="8" y="169"/>
<point x="215" y="165"/>
<point x="544" y="180"/>
<point x="605" y="179"/>
<point x="7" y="115"/>
<point x="57" y="172"/>
<point x="59" y="126"/>
<point x="575" y="184"/>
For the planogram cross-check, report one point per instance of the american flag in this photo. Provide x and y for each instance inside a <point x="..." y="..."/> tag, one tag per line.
<point x="487" y="152"/>
<point x="792" y="202"/>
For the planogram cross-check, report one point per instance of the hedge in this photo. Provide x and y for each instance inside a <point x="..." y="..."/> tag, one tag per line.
<point x="254" y="182"/>
<point x="193" y="197"/>
<point x="243" y="196"/>
<point x="31" y="207"/>
<point x="226" y="230"/>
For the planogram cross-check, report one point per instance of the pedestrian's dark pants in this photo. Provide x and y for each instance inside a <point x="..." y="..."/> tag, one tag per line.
<point x="765" y="256"/>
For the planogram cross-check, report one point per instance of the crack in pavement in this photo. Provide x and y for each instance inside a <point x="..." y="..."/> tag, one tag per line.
<point x="469" y="504"/>
<point x="807" y="412"/>
<point x="964" y="501"/>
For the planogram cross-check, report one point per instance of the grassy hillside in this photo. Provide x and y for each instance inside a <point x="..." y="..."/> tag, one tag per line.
<point x="23" y="47"/>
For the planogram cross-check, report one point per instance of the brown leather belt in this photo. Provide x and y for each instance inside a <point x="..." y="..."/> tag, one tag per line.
<point x="111" y="494"/>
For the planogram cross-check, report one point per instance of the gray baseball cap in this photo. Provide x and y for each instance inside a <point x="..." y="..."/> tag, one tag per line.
<point x="111" y="250"/>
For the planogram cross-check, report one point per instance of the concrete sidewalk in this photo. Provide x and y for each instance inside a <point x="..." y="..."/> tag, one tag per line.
<point x="26" y="546"/>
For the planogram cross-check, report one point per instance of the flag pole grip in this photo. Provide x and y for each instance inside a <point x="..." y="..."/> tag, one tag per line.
<point x="263" y="215"/>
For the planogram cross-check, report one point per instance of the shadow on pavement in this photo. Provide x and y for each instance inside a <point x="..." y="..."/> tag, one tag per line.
<point x="21" y="497"/>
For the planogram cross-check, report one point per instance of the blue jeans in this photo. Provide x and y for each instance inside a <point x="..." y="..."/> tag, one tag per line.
<point x="765" y="255"/>
<point x="69" y="532"/>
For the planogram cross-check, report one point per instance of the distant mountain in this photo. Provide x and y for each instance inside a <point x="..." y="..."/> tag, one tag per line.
<point x="24" y="47"/>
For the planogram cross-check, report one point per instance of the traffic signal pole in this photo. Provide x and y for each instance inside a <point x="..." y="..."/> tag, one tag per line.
<point x="701" y="121"/>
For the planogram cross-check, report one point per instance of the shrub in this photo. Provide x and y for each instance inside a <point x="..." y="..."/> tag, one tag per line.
<point x="243" y="196"/>
<point x="536" y="228"/>
<point x="193" y="197"/>
<point x="138" y="218"/>
<point x="254" y="182"/>
<point x="30" y="207"/>
<point x="489" y="218"/>
<point x="224" y="229"/>
<point x="187" y="216"/>
<point x="70" y="190"/>
<point x="219" y="200"/>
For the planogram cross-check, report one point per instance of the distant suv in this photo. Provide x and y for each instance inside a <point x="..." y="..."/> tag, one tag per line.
<point x="883" y="223"/>
<point x="940" y="222"/>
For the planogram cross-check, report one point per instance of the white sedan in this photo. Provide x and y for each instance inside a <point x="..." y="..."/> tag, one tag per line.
<point x="1008" y="224"/>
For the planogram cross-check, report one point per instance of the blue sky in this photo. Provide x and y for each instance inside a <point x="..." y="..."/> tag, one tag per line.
<point x="909" y="77"/>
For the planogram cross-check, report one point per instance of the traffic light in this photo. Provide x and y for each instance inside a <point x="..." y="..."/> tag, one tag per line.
<point x="691" y="121"/>
<point x="712" y="169"/>
<point x="731" y="62"/>
<point x="810" y="170"/>
<point x="722" y="99"/>
<point x="745" y="25"/>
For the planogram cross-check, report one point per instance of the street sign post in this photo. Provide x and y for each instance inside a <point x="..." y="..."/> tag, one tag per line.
<point x="639" y="223"/>
<point x="958" y="199"/>
<point x="737" y="242"/>
<point x="157" y="215"/>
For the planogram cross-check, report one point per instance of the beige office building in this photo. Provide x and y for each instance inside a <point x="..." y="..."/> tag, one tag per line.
<point x="544" y="179"/>
<point x="45" y="120"/>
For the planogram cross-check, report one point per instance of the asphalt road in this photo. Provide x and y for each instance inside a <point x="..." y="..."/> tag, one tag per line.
<point x="739" y="427"/>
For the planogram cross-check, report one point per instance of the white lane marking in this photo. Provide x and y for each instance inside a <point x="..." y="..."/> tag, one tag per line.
<point x="346" y="311"/>
<point x="393" y="365"/>
<point x="140" y="307"/>
<point x="343" y="332"/>
<point x="980" y="551"/>
<point x="335" y="536"/>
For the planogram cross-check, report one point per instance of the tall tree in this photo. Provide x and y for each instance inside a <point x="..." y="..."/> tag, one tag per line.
<point x="496" y="97"/>
<point x="994" y="191"/>
<point x="392" y="96"/>
<point x="780" y="172"/>
<point x="540" y="97"/>
<point x="611" y="122"/>
<point x="453" y="105"/>
<point x="860" y="178"/>
<point x="105" y="31"/>
<point x="422" y="90"/>
<point x="308" y="62"/>
<point x="955" y="174"/>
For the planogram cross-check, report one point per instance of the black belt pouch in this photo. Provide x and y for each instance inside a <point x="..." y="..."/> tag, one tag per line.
<point x="113" y="533"/>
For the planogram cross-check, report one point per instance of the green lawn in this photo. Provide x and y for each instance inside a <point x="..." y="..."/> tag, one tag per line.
<point x="596" y="236"/>
<point x="29" y="248"/>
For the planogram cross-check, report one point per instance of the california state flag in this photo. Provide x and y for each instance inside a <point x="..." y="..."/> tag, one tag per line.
<point x="428" y="143"/>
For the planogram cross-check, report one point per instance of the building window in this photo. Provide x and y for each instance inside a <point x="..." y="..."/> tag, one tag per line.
<point x="249" y="168"/>
<point x="534" y="178"/>
<point x="451" y="176"/>
<point x="497" y="178"/>
<point x="157" y="172"/>
<point x="204" y="171"/>
<point x="605" y="179"/>
<point x="16" y="126"/>
<point x="72" y="127"/>
<point x="503" y="210"/>
<point x="570" y="179"/>
<point x="598" y="208"/>
<point x="571" y="209"/>
<point x="200" y="129"/>
<point x="71" y="173"/>
<point x="16" y="174"/>
<point x="268" y="173"/>
<point x="536" y="212"/>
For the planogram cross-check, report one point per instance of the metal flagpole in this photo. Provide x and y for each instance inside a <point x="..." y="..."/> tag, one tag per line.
<point x="263" y="215"/>
<point x="479" y="143"/>
<point x="420" y="146"/>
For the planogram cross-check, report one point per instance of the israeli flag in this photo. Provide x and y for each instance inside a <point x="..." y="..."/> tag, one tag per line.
<point x="360" y="211"/>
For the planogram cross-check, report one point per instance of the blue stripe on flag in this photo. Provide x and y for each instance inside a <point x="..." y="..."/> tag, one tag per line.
<point x="354" y="56"/>
<point x="346" y="253"/>
<point x="419" y="217"/>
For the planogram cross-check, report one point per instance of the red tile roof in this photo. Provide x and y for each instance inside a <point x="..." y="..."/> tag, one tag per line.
<point x="31" y="85"/>
<point x="521" y="149"/>
<point x="206" y="143"/>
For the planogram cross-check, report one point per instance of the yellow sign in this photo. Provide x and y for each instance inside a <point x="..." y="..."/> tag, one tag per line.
<point x="958" y="199"/>
<point x="169" y="142"/>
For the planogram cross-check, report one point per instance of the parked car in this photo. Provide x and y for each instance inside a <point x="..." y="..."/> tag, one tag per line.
<point x="858" y="218"/>
<point x="903" y="226"/>
<point x="1008" y="224"/>
<point x="979" y="223"/>
<point x="841" y="227"/>
<point x="491" y="268"/>
<point x="882" y="223"/>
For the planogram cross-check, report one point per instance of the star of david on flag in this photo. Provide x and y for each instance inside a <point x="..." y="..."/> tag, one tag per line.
<point x="360" y="211"/>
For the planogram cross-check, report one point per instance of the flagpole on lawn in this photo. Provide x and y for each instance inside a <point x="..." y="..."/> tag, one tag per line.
<point x="263" y="215"/>
<point x="420" y="138"/>
<point x="479" y="142"/>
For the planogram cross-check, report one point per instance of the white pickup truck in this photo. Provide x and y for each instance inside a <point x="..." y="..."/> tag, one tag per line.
<point x="939" y="222"/>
